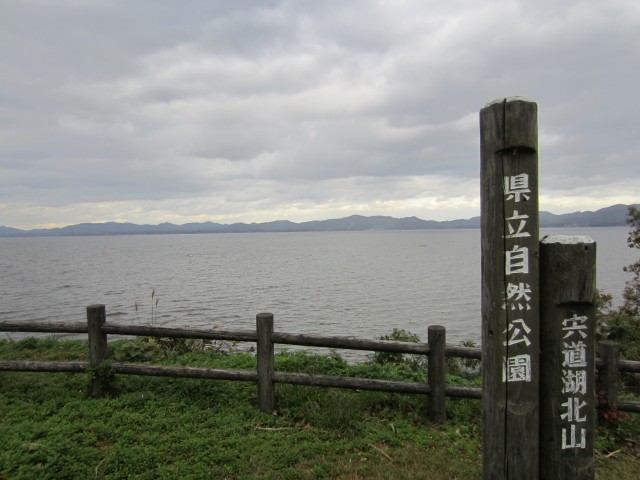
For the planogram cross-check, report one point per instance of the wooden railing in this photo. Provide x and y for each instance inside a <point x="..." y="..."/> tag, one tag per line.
<point x="265" y="375"/>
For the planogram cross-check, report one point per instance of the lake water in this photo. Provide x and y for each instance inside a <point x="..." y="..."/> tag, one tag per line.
<point x="360" y="284"/>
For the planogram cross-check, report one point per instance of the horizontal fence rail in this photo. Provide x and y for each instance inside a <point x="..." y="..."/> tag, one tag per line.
<point x="44" y="327"/>
<point x="436" y="388"/>
<point x="345" y="343"/>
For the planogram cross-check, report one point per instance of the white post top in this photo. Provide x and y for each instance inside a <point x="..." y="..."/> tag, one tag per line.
<point x="567" y="239"/>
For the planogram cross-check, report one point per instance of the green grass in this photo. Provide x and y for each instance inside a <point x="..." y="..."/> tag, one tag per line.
<point x="191" y="429"/>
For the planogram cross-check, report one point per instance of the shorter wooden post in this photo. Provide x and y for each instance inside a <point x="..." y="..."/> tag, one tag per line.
<point x="266" y="391"/>
<point x="98" y="351"/>
<point x="436" y="370"/>
<point x="567" y="351"/>
<point x="608" y="394"/>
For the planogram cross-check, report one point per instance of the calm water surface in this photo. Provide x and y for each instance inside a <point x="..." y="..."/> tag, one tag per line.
<point x="360" y="284"/>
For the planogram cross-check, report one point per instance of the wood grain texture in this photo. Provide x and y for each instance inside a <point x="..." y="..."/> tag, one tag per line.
<point x="567" y="385"/>
<point x="508" y="139"/>
<point x="436" y="374"/>
<point x="98" y="350"/>
<point x="265" y="358"/>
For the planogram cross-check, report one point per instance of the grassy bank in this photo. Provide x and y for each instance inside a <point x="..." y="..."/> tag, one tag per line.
<point x="180" y="428"/>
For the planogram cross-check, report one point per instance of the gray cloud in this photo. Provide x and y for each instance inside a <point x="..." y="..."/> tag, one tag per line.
<point x="250" y="111"/>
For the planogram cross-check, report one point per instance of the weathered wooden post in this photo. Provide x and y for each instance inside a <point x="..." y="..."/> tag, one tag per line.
<point x="567" y="364"/>
<point x="98" y="351"/>
<point x="610" y="354"/>
<point x="264" y="349"/>
<point x="436" y="371"/>
<point x="510" y="297"/>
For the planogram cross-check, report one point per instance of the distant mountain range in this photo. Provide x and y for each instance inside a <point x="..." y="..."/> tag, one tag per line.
<point x="606" y="217"/>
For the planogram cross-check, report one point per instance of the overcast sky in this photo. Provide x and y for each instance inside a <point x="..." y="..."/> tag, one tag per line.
<point x="251" y="111"/>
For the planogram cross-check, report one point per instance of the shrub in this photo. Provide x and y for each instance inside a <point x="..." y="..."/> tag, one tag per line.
<point x="623" y="324"/>
<point x="400" y="335"/>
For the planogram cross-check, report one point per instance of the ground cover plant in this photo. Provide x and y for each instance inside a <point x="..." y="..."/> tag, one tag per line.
<point x="184" y="428"/>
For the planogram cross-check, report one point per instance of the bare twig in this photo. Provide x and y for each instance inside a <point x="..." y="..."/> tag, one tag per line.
<point x="612" y="454"/>
<point x="273" y="429"/>
<point x="381" y="451"/>
<point x="98" y="465"/>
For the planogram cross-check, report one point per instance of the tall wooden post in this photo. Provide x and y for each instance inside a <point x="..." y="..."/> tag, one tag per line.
<point x="98" y="350"/>
<point x="264" y="353"/>
<point x="567" y="365"/>
<point x="510" y="297"/>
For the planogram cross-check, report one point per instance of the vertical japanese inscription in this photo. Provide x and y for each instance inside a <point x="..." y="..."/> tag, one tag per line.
<point x="573" y="411"/>
<point x="520" y="290"/>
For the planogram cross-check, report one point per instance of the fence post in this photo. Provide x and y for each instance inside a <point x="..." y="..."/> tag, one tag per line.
<point x="436" y="366"/>
<point x="567" y="365"/>
<point x="264" y="348"/>
<point x="510" y="297"/>
<point x="98" y="351"/>
<point x="610" y="355"/>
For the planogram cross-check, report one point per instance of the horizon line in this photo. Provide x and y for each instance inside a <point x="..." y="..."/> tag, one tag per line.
<point x="125" y="222"/>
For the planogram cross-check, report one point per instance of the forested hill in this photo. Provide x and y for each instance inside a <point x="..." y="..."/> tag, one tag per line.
<point x="605" y="217"/>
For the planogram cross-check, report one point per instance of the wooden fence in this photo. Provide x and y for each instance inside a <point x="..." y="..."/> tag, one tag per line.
<point x="265" y="375"/>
